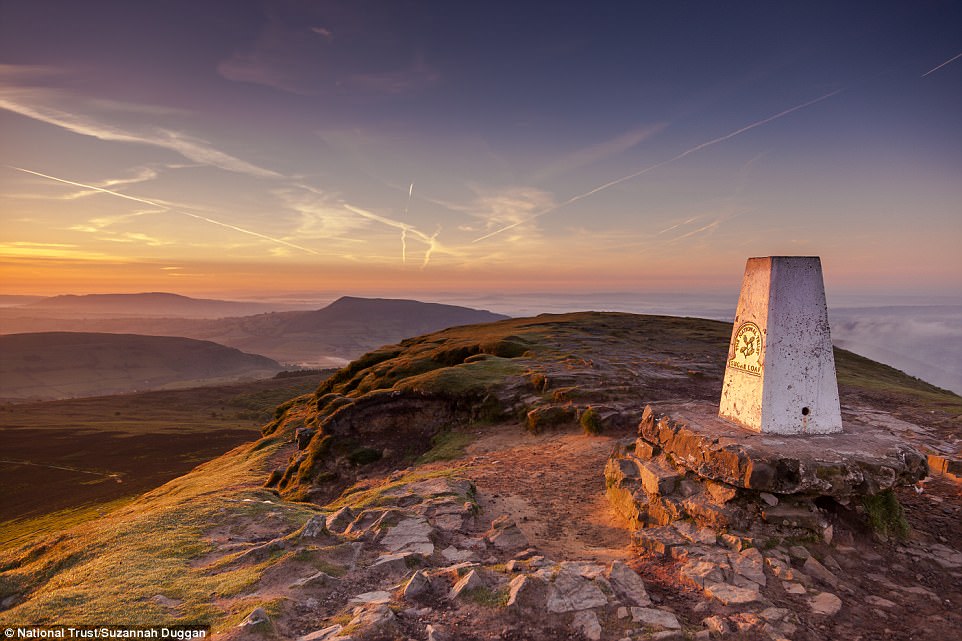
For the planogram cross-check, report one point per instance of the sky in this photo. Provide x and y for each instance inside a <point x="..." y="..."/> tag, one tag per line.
<point x="247" y="149"/>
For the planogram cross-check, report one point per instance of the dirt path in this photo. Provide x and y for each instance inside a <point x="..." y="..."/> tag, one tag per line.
<point x="553" y="486"/>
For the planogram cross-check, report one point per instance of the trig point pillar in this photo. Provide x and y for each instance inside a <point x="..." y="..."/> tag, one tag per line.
<point x="780" y="373"/>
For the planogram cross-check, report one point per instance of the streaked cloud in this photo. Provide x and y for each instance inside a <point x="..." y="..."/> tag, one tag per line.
<point x="51" y="251"/>
<point x="645" y="170"/>
<point x="86" y="117"/>
<point x="597" y="152"/>
<point x="937" y="67"/>
<point x="416" y="75"/>
<point x="183" y="212"/>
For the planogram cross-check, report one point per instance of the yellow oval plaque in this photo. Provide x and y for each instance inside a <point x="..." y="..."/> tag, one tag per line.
<point x="746" y="349"/>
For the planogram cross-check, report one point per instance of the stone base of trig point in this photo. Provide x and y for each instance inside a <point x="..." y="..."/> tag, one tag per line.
<point x="692" y="466"/>
<point x="780" y="370"/>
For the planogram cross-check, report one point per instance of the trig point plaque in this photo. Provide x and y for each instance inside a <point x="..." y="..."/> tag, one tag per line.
<point x="780" y="372"/>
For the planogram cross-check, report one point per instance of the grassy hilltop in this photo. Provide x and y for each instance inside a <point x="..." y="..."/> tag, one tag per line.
<point x="213" y="544"/>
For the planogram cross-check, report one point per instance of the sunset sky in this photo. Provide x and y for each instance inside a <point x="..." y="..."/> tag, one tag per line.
<point x="242" y="149"/>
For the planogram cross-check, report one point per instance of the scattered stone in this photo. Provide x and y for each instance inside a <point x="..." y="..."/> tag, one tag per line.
<point x="729" y="594"/>
<point x="627" y="584"/>
<point x="832" y="564"/>
<point x="702" y="572"/>
<point x="527" y="593"/>
<point x="920" y="591"/>
<point x="398" y="562"/>
<point x="470" y="581"/>
<point x="770" y="499"/>
<point x="159" y="599"/>
<point x="622" y="612"/>
<point x="879" y="602"/>
<point x="798" y="553"/>
<point x="695" y="534"/>
<point x="774" y="615"/>
<point x="815" y="569"/>
<point x="659" y="540"/>
<point x="825" y="603"/>
<point x="378" y="597"/>
<point x="338" y="521"/>
<point x="323" y="635"/>
<point x="661" y="619"/>
<point x="750" y="564"/>
<point x="373" y="618"/>
<point x="717" y="625"/>
<point x="506" y="535"/>
<point x="435" y="633"/>
<point x="668" y="635"/>
<point x="417" y="587"/>
<point x="318" y="578"/>
<point x="410" y="535"/>
<point x="720" y="493"/>
<point x="455" y="555"/>
<point x="736" y="543"/>
<point x="780" y="568"/>
<point x="745" y="621"/>
<point x="587" y="622"/>
<point x="570" y="592"/>
<point x="257" y="619"/>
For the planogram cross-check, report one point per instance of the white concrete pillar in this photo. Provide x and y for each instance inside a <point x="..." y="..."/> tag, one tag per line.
<point x="780" y="373"/>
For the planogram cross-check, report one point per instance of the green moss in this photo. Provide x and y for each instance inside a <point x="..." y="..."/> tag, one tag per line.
<point x="358" y="498"/>
<point x="487" y="597"/>
<point x="885" y="514"/>
<point x="591" y="422"/>
<point x="364" y="456"/>
<point x="446" y="446"/>
<point x="467" y="380"/>
<point x="548" y="416"/>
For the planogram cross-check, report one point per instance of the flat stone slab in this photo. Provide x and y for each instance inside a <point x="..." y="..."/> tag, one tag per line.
<point x="860" y="460"/>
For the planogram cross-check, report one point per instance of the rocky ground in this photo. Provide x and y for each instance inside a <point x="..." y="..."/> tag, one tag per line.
<point x="501" y="529"/>
<point x="515" y="541"/>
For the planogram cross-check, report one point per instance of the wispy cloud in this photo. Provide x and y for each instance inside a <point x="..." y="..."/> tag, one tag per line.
<point x="44" y="104"/>
<point x="46" y="251"/>
<point x="595" y="153"/>
<point x="416" y="75"/>
<point x="649" y="168"/>
<point x="936" y="68"/>
<point x="182" y="212"/>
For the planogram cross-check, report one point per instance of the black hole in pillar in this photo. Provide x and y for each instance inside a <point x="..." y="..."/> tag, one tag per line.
<point x="805" y="411"/>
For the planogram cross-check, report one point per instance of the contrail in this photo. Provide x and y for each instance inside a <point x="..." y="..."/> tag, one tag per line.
<point x="934" y="69"/>
<point x="404" y="230"/>
<point x="431" y="241"/>
<point x="410" y="195"/>
<point x="640" y="172"/>
<point x="170" y="209"/>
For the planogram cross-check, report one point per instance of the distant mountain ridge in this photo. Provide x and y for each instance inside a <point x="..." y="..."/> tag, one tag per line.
<point x="343" y="330"/>
<point x="159" y="304"/>
<point x="50" y="365"/>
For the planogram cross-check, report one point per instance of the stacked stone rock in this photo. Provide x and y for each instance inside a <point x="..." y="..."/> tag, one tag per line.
<point x="717" y="476"/>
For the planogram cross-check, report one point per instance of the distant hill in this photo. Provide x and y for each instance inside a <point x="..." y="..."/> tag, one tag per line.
<point x="51" y="365"/>
<point x="343" y="330"/>
<point x="158" y="304"/>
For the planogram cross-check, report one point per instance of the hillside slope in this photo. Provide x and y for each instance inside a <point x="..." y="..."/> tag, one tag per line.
<point x="51" y="365"/>
<point x="411" y="455"/>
